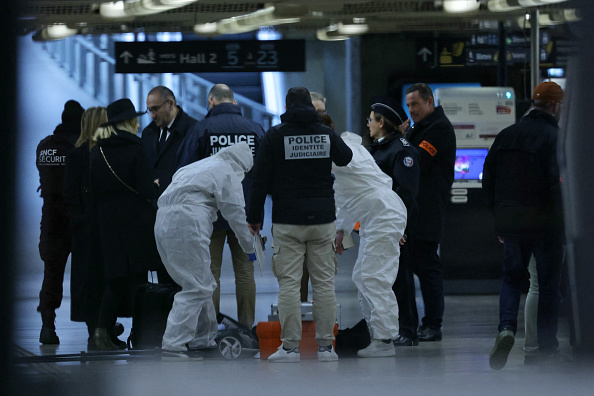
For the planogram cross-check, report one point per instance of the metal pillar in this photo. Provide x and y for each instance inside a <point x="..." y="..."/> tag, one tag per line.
<point x="534" y="51"/>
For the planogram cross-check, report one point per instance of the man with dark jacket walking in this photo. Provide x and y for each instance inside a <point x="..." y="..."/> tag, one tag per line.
<point x="433" y="136"/>
<point x="55" y="240"/>
<point x="521" y="181"/>
<point x="294" y="165"/>
<point x="222" y="127"/>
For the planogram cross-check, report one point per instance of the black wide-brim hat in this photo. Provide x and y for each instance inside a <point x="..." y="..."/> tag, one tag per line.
<point x="121" y="110"/>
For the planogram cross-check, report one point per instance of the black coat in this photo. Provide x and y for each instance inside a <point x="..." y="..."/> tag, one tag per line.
<point x="435" y="140"/>
<point x="521" y="178"/>
<point x="126" y="218"/>
<point x="222" y="127"/>
<point x="86" y="274"/>
<point x="396" y="157"/>
<point x="164" y="162"/>
<point x="294" y="165"/>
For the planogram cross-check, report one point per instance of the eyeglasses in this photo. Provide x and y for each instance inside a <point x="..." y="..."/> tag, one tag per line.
<point x="369" y="120"/>
<point x="154" y="109"/>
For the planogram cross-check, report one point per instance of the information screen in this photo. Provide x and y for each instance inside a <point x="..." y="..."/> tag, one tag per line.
<point x="469" y="163"/>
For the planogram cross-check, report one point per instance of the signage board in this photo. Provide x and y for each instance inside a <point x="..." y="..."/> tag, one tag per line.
<point x="210" y="56"/>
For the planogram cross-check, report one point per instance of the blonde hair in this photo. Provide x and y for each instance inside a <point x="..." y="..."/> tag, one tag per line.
<point x="90" y="121"/>
<point x="129" y="125"/>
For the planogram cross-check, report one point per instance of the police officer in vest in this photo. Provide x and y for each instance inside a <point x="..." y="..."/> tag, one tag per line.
<point x="222" y="127"/>
<point x="55" y="239"/>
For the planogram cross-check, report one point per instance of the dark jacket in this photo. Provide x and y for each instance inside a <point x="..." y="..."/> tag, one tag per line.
<point x="86" y="274"/>
<point x="222" y="127"/>
<point x="164" y="162"/>
<point x="51" y="159"/>
<point x="521" y="178"/>
<point x="294" y="165"/>
<point x="126" y="218"/>
<point x="398" y="159"/>
<point x="435" y="140"/>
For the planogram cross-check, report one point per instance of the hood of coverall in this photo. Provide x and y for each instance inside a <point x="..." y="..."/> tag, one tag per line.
<point x="239" y="156"/>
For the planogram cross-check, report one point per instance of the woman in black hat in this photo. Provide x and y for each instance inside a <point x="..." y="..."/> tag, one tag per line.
<point x="397" y="158"/>
<point x="122" y="185"/>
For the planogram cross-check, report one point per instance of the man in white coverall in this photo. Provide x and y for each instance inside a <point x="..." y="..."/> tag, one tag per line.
<point x="364" y="193"/>
<point x="187" y="209"/>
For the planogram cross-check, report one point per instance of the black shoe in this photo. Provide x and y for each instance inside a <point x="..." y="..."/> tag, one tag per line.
<point x="91" y="346"/>
<point x="48" y="336"/>
<point x="503" y="345"/>
<point x="428" y="334"/>
<point x="405" y="341"/>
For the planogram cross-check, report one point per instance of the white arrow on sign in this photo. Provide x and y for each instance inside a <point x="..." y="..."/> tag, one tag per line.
<point x="424" y="52"/>
<point x="126" y="55"/>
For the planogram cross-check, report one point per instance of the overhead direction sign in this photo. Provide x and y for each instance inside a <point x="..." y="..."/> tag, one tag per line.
<point x="210" y="56"/>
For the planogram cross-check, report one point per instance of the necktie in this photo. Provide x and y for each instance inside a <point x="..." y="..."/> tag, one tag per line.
<point x="162" y="138"/>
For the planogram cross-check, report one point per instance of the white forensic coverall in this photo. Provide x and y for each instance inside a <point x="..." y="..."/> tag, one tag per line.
<point x="364" y="193"/>
<point x="187" y="209"/>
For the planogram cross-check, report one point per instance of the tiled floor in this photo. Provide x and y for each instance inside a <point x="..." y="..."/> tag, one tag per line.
<point x="456" y="365"/>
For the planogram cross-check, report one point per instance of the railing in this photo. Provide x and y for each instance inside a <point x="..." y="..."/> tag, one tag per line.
<point x="89" y="61"/>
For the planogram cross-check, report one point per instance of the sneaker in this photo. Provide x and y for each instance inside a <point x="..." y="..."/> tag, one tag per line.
<point x="180" y="356"/>
<point x="284" y="356"/>
<point x="378" y="348"/>
<point x="503" y="345"/>
<point x="48" y="336"/>
<point x="327" y="354"/>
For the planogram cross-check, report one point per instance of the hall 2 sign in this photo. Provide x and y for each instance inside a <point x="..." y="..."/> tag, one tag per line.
<point x="210" y="56"/>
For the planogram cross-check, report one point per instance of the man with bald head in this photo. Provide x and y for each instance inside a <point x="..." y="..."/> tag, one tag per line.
<point x="222" y="127"/>
<point x="163" y="136"/>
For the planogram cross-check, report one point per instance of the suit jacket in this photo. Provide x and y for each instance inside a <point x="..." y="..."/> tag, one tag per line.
<point x="164" y="162"/>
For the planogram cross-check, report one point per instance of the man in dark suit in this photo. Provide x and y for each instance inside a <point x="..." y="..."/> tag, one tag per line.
<point x="164" y="135"/>
<point x="161" y="140"/>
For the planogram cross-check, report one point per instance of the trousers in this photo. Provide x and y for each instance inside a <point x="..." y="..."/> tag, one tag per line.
<point x="313" y="245"/>
<point x="245" y="285"/>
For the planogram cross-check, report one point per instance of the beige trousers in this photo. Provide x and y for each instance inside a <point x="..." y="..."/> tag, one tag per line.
<point x="245" y="285"/>
<point x="312" y="245"/>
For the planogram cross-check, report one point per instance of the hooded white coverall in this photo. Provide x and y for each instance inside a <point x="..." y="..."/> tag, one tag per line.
<point x="187" y="209"/>
<point x="364" y="193"/>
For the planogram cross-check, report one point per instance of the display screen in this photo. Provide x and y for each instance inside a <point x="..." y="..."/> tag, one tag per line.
<point x="469" y="163"/>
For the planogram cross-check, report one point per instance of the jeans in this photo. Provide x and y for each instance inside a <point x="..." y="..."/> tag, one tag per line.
<point x="548" y="253"/>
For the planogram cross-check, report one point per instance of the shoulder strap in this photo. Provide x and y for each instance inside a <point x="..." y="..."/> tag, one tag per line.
<point x="115" y="174"/>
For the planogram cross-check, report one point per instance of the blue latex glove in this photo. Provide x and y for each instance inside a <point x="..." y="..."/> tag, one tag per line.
<point x="252" y="256"/>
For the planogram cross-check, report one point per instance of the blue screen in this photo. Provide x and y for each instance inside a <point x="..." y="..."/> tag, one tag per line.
<point x="469" y="163"/>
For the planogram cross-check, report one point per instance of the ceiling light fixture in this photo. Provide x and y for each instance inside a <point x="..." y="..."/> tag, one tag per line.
<point x="512" y="5"/>
<point x="268" y="16"/>
<point x="461" y="6"/>
<point x="126" y="9"/>
<point x="54" y="32"/>
<point x="350" y="29"/>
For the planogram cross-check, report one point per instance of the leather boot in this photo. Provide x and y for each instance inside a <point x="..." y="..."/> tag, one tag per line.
<point x="103" y="341"/>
